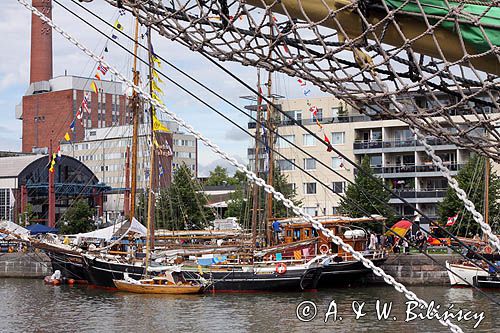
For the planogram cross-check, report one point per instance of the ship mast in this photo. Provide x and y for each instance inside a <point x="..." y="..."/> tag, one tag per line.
<point x="150" y="216"/>
<point x="486" y="189"/>
<point x="256" y="201"/>
<point x="135" y="111"/>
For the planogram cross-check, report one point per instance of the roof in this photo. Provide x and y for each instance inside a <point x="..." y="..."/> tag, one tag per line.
<point x="13" y="165"/>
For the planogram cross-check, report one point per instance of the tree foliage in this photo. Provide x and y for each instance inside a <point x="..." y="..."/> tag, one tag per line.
<point x="472" y="180"/>
<point x="367" y="196"/>
<point x="182" y="205"/>
<point x="78" y="218"/>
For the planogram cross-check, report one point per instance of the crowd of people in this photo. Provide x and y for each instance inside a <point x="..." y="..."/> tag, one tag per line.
<point x="396" y="244"/>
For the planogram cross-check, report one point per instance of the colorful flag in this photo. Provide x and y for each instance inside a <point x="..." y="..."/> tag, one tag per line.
<point x="156" y="61"/>
<point x="301" y="82"/>
<point x="314" y="110"/>
<point x="158" y="126"/>
<point x="103" y="69"/>
<point x="67" y="137"/>
<point x="85" y="105"/>
<point x="329" y="148"/>
<point x="79" y="114"/>
<point x="400" y="228"/>
<point x="114" y="36"/>
<point x="72" y="125"/>
<point x="118" y="25"/>
<point x="53" y="162"/>
<point x="59" y="154"/>
<point x="156" y="98"/>
<point x="452" y="220"/>
<point x="97" y="76"/>
<point x="306" y="92"/>
<point x="157" y="76"/>
<point x="93" y="86"/>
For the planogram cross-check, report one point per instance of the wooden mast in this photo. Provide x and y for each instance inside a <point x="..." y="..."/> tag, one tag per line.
<point x="135" y="111"/>
<point x="270" y="174"/>
<point x="150" y="230"/>
<point x="486" y="189"/>
<point x="256" y="201"/>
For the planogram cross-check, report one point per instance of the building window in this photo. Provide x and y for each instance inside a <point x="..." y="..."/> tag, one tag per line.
<point x="313" y="211"/>
<point x="286" y="165"/>
<point x="309" y="163"/>
<point x="337" y="111"/>
<point x="335" y="210"/>
<point x="319" y="114"/>
<point x="336" y="162"/>
<point x="5" y="205"/>
<point x="338" y="187"/>
<point x="310" y="188"/>
<point x="338" y="138"/>
<point x="282" y="143"/>
<point x="308" y="140"/>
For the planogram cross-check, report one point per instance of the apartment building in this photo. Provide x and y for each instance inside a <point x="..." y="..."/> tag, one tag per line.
<point x="395" y="155"/>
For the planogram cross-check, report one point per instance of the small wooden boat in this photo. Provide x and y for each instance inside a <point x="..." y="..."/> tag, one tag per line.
<point x="165" y="284"/>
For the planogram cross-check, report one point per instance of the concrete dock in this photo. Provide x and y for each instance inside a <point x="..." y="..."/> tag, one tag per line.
<point x="24" y="265"/>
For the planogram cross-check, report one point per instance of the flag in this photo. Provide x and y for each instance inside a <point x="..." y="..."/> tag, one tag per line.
<point x="93" y="86"/>
<point x="297" y="255"/>
<point x="400" y="228"/>
<point x="67" y="137"/>
<point x="157" y="76"/>
<point x="156" y="98"/>
<point x="85" y="105"/>
<point x="53" y="162"/>
<point x="160" y="169"/>
<point x="156" y="61"/>
<point x="329" y="148"/>
<point x="306" y="92"/>
<point x="97" y="76"/>
<point x="79" y="115"/>
<point x="59" y="154"/>
<point x="301" y="82"/>
<point x="114" y="36"/>
<point x="103" y="69"/>
<point x="314" y="110"/>
<point x="155" y="87"/>
<point x="158" y="126"/>
<point x="118" y="25"/>
<point x="72" y="125"/>
<point x="451" y="220"/>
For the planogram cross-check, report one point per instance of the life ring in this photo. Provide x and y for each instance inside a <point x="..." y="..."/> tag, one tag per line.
<point x="488" y="249"/>
<point x="281" y="268"/>
<point x="324" y="249"/>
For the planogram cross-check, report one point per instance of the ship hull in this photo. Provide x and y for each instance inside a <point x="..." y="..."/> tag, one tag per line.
<point x="102" y="272"/>
<point x="467" y="273"/>
<point x="346" y="272"/>
<point x="489" y="281"/>
<point x="237" y="280"/>
<point x="70" y="265"/>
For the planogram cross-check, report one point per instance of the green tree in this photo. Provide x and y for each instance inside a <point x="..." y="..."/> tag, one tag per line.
<point x="218" y="177"/>
<point x="78" y="218"/>
<point x="182" y="205"/>
<point x="28" y="215"/>
<point x="367" y="196"/>
<point x="471" y="180"/>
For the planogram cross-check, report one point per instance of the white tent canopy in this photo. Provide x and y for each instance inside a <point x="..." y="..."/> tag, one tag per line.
<point x="108" y="233"/>
<point x="13" y="228"/>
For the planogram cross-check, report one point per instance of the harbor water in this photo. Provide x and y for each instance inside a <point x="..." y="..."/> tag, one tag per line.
<point x="30" y="306"/>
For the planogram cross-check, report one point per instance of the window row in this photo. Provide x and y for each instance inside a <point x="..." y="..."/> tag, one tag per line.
<point x="308" y="140"/>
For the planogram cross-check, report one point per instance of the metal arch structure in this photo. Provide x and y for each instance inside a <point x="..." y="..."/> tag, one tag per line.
<point x="375" y="55"/>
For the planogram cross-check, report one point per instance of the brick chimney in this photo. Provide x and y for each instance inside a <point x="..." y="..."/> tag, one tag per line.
<point x="41" y="43"/>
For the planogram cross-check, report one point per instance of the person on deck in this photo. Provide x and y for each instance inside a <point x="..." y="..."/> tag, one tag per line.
<point x="373" y="242"/>
<point x="276" y="231"/>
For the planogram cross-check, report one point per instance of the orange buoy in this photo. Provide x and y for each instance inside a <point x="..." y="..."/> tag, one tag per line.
<point x="281" y="268"/>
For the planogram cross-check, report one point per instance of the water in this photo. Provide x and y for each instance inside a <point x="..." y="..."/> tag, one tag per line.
<point x="31" y="306"/>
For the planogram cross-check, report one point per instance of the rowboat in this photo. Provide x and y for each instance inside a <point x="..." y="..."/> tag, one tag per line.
<point x="164" y="284"/>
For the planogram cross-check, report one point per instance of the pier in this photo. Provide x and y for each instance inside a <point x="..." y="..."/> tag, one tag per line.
<point x="24" y="265"/>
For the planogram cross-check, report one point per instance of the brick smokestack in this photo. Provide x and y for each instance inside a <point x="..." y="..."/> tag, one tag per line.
<point x="41" y="43"/>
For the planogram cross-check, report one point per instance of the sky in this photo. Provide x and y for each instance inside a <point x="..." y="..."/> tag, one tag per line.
<point x="15" y="21"/>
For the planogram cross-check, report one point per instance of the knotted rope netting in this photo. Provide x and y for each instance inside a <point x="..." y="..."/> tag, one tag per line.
<point x="439" y="59"/>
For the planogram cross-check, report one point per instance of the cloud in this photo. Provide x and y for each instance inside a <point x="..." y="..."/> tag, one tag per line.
<point x="235" y="134"/>
<point x="204" y="170"/>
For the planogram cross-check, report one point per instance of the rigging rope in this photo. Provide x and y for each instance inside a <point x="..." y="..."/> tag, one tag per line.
<point x="249" y="174"/>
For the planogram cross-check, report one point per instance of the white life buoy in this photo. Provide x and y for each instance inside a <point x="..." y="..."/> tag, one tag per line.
<point x="324" y="249"/>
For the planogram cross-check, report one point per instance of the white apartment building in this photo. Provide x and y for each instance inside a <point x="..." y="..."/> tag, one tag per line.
<point x="104" y="151"/>
<point x="394" y="155"/>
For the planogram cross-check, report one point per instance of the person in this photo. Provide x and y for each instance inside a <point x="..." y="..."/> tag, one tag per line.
<point x="373" y="242"/>
<point x="276" y="231"/>
<point x="406" y="247"/>
<point x="56" y="275"/>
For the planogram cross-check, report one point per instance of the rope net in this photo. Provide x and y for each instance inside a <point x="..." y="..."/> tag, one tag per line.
<point x="434" y="64"/>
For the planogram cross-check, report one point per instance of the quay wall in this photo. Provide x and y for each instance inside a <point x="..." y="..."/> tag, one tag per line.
<point x="416" y="269"/>
<point x="24" y="265"/>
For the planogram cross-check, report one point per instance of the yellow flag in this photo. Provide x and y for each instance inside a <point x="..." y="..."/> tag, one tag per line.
<point x="155" y="87"/>
<point x="67" y="137"/>
<point x="157" y="76"/>
<point x="93" y="86"/>
<point x="158" y="126"/>
<point x="118" y="25"/>
<point x="156" y="61"/>
<point x="156" y="98"/>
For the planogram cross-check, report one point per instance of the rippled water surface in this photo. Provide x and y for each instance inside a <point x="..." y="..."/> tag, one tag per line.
<point x="31" y="306"/>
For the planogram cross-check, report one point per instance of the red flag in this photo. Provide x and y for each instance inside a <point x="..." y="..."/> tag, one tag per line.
<point x="314" y="110"/>
<point x="103" y="69"/>
<point x="452" y="220"/>
<point x="302" y="83"/>
<point x="329" y="148"/>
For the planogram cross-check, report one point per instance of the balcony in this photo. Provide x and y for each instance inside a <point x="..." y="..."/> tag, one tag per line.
<point x="425" y="196"/>
<point x="399" y="170"/>
<point x="326" y="120"/>
<point x="376" y="144"/>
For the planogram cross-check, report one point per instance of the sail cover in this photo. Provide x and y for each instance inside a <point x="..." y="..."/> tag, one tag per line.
<point x="115" y="231"/>
<point x="13" y="228"/>
<point x="472" y="33"/>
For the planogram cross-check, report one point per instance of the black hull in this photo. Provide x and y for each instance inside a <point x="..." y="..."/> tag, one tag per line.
<point x="239" y="281"/>
<point x="102" y="272"/>
<point x="70" y="265"/>
<point x="490" y="281"/>
<point x="344" y="273"/>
